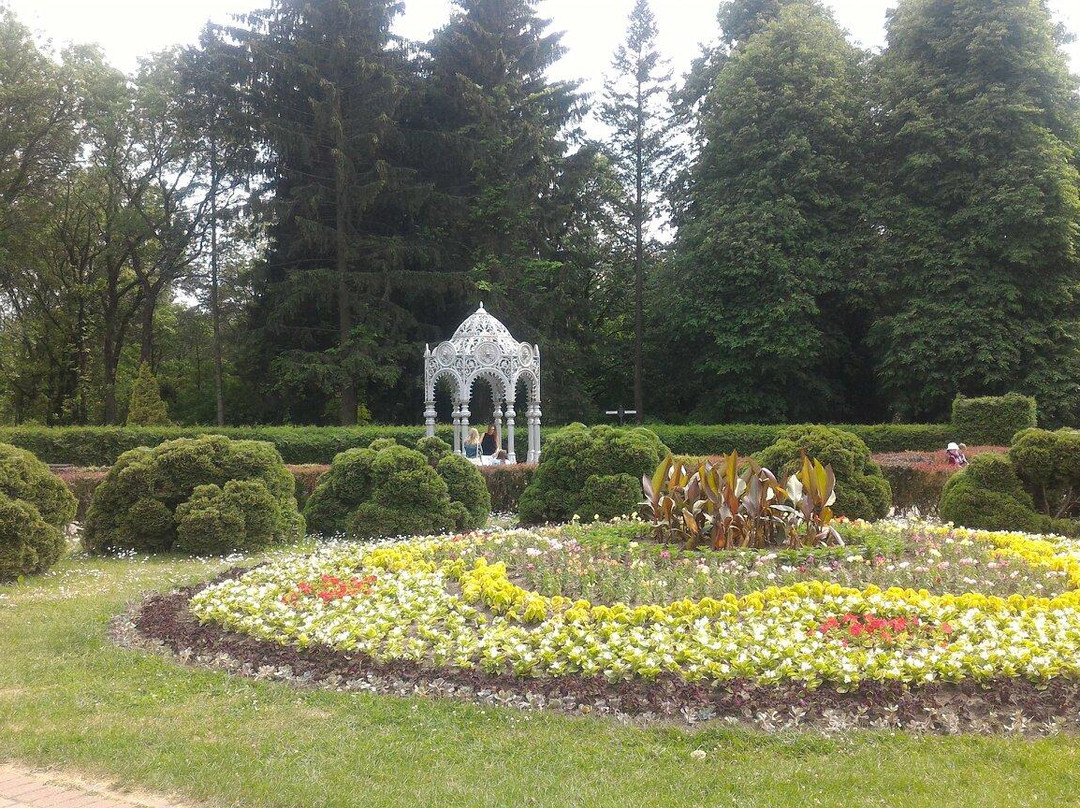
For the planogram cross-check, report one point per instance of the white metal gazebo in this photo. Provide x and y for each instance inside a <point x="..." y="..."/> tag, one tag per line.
<point x="482" y="348"/>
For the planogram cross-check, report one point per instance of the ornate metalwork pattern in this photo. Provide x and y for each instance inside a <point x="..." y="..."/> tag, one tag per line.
<point x="482" y="347"/>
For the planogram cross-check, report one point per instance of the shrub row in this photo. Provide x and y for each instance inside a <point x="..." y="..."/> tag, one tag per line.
<point x="505" y="483"/>
<point x="101" y="446"/>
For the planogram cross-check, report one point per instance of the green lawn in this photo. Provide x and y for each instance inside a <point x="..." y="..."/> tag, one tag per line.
<point x="70" y="700"/>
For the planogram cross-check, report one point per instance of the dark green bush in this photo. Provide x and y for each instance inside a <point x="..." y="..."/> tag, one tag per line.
<point x="573" y="455"/>
<point x="24" y="477"/>
<point x="989" y="495"/>
<point x="606" y="495"/>
<point x="466" y="485"/>
<point x="242" y="516"/>
<point x="138" y="504"/>
<point x="992" y="420"/>
<point x="391" y="490"/>
<point x="35" y="507"/>
<point x="28" y="544"/>
<point x="915" y="487"/>
<point x="1048" y="463"/>
<point x="861" y="490"/>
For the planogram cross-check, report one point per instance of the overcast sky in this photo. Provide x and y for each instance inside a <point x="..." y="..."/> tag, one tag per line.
<point x="127" y="29"/>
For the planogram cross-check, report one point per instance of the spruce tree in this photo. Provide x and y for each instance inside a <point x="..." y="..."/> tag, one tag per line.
<point x="636" y="109"/>
<point x="765" y="294"/>
<point x="146" y="407"/>
<point x="980" y="211"/>
<point x="519" y="226"/>
<point x="352" y="267"/>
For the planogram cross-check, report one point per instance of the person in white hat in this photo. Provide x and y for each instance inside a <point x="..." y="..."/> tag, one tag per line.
<point x="955" y="455"/>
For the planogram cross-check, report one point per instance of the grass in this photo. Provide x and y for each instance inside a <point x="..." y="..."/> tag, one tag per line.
<point x="71" y="701"/>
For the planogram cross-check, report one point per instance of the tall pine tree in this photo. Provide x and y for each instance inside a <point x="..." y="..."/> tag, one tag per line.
<point x="636" y="109"/>
<point x="979" y="130"/>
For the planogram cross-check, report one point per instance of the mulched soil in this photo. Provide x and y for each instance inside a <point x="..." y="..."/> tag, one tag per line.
<point x="163" y="623"/>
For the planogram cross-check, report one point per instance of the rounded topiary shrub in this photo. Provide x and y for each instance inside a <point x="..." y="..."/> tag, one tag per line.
<point x="35" y="507"/>
<point x="989" y="495"/>
<point x="862" y="492"/>
<point x="584" y="471"/>
<point x="242" y="515"/>
<point x="390" y="490"/>
<point x="177" y="497"/>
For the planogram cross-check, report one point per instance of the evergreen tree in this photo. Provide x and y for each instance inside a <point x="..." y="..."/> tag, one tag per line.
<point x="521" y="224"/>
<point x="635" y="108"/>
<point x="353" y="262"/>
<point x="979" y="130"/>
<point x="146" y="407"/>
<point x="769" y="276"/>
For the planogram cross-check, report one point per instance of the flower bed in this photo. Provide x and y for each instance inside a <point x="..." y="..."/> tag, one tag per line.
<point x="448" y="603"/>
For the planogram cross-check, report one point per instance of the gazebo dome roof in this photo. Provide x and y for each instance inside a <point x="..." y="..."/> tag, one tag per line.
<point x="480" y="327"/>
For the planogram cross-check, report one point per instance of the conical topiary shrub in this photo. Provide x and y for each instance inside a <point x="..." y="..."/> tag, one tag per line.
<point x="146" y="407"/>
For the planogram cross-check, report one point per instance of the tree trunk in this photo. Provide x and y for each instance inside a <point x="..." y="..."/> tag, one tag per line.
<point x="146" y="349"/>
<point x="348" y="384"/>
<point x="110" y="358"/>
<point x="215" y="306"/>
<point x="639" y="258"/>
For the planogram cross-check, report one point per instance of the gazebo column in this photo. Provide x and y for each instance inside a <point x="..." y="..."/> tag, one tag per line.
<point x="511" y="457"/>
<point x="531" y="420"/>
<point x="536" y="431"/>
<point x="429" y="417"/>
<point x="498" y="427"/>
<point x="457" y="427"/>
<point x="464" y="424"/>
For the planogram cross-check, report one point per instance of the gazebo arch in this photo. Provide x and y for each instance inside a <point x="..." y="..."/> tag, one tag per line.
<point x="482" y="348"/>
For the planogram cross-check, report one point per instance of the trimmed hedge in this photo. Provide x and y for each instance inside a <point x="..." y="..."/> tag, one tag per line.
<point x="861" y="491"/>
<point x="387" y="490"/>
<point x="992" y="420"/>
<point x="590" y="472"/>
<point x="194" y="495"/>
<point x="917" y="479"/>
<point x="35" y="507"/>
<point x="102" y="446"/>
<point x="506" y="484"/>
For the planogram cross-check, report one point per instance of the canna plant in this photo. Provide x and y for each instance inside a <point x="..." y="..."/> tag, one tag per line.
<point x="736" y="503"/>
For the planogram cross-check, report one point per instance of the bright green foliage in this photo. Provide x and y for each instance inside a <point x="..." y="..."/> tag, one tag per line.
<point x="24" y="477"/>
<point x="980" y="121"/>
<point x="577" y="453"/>
<point x="605" y="496"/>
<point x="988" y="494"/>
<point x="137" y="506"/>
<point x="28" y="544"/>
<point x="35" y="507"/>
<point x="1048" y="463"/>
<point x="768" y="287"/>
<point x="466" y="485"/>
<point x="992" y="420"/>
<point x="146" y="407"/>
<point x="862" y="492"/>
<point x="242" y="516"/>
<point x="391" y="490"/>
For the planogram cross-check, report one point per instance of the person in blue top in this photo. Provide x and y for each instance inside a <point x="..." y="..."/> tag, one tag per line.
<point x="472" y="445"/>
